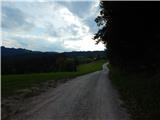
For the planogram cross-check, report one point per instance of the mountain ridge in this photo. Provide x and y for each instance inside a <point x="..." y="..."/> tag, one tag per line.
<point x="20" y="51"/>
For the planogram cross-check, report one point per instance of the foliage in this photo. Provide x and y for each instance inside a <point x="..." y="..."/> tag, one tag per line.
<point x="140" y="92"/>
<point x="130" y="32"/>
<point x="21" y="61"/>
<point x="36" y="63"/>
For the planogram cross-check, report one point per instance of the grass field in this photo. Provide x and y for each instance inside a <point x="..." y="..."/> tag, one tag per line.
<point x="11" y="83"/>
<point x="140" y="92"/>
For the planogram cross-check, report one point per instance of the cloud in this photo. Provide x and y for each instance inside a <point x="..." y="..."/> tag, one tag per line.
<point x="49" y="26"/>
<point x="87" y="11"/>
<point x="69" y="23"/>
<point x="32" y="42"/>
<point x="13" y="18"/>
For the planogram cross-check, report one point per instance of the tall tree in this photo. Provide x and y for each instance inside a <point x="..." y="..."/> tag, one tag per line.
<point x="130" y="32"/>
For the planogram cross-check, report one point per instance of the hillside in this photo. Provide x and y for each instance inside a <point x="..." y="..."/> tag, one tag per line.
<point x="21" y="61"/>
<point x="19" y="51"/>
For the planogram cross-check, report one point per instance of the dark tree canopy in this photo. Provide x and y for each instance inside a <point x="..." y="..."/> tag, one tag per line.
<point x="131" y="32"/>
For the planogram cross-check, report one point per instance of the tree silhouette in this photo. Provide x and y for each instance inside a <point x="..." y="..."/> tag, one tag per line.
<point x="130" y="31"/>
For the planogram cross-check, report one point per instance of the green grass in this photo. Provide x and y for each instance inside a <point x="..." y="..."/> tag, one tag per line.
<point x="140" y="93"/>
<point x="11" y="83"/>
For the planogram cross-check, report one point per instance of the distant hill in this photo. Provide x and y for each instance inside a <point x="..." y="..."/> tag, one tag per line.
<point x="21" y="61"/>
<point x="13" y="51"/>
<point x="20" y="52"/>
<point x="84" y="53"/>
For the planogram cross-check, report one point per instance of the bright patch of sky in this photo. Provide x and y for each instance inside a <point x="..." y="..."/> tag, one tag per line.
<point x="50" y="25"/>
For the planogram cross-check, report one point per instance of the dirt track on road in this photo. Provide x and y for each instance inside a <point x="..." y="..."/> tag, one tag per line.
<point x="88" y="97"/>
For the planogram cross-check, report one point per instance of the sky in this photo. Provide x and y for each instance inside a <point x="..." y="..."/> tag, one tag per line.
<point x="47" y="25"/>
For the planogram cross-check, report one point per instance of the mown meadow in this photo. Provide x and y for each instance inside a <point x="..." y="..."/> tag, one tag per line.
<point x="12" y="83"/>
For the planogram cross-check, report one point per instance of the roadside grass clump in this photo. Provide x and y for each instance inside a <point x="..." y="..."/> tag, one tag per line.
<point x="12" y="83"/>
<point x="140" y="93"/>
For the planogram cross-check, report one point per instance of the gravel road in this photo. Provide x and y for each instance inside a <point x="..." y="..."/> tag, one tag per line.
<point x="88" y="97"/>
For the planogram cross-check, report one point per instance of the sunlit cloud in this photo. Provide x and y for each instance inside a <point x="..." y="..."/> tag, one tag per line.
<point x="50" y="26"/>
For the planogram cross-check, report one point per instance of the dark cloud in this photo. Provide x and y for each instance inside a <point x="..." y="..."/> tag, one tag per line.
<point x="80" y="8"/>
<point x="71" y="30"/>
<point x="83" y="9"/>
<point x="13" y="18"/>
<point x="52" y="31"/>
<point x="92" y="25"/>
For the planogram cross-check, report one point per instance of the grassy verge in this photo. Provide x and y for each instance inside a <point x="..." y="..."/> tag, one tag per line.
<point x="140" y="93"/>
<point x="11" y="83"/>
